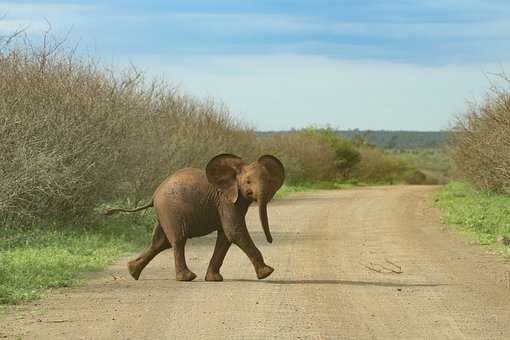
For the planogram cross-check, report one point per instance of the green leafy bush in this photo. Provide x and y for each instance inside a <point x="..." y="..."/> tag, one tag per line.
<point x="346" y="156"/>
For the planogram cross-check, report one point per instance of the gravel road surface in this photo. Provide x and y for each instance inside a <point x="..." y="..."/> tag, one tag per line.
<point x="364" y="263"/>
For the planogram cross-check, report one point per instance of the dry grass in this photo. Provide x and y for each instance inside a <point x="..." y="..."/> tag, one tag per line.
<point x="75" y="134"/>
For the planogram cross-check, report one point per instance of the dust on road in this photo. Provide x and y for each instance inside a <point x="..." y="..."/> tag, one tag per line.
<point x="321" y="287"/>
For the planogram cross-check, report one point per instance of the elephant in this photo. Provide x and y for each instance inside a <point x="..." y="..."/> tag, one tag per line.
<point x="193" y="202"/>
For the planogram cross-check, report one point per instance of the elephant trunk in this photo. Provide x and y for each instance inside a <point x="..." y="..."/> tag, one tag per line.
<point x="264" y="220"/>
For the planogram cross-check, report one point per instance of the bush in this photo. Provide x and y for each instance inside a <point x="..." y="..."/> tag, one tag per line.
<point x="480" y="146"/>
<point x="377" y="166"/>
<point x="416" y="177"/>
<point x="304" y="156"/>
<point x="345" y="153"/>
<point x="320" y="154"/>
<point x="75" y="134"/>
<point x="435" y="164"/>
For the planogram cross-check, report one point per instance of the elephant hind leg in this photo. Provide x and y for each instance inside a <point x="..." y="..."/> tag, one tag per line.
<point x="159" y="243"/>
<point x="174" y="226"/>
<point x="182" y="272"/>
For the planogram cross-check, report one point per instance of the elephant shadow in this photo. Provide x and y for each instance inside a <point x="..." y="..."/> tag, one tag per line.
<point x="339" y="282"/>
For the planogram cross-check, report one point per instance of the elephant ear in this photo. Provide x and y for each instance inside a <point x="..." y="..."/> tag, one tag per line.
<point x="276" y="172"/>
<point x="222" y="171"/>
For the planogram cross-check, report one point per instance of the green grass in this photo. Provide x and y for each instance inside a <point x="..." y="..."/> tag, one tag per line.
<point x="286" y="189"/>
<point x="35" y="259"/>
<point x="484" y="215"/>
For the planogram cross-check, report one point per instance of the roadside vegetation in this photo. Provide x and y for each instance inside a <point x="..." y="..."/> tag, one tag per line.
<point x="480" y="149"/>
<point x="77" y="136"/>
<point x="480" y="145"/>
<point x="43" y="257"/>
<point x="324" y="155"/>
<point x="485" y="215"/>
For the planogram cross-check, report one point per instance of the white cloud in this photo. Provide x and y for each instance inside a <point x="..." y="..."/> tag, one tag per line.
<point x="284" y="91"/>
<point x="481" y="29"/>
<point x="241" y="23"/>
<point x="492" y="6"/>
<point x="8" y="27"/>
<point x="230" y="23"/>
<point x="38" y="17"/>
<point x="39" y="8"/>
<point x="279" y="91"/>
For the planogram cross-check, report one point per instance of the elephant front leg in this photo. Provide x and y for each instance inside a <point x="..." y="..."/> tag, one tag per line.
<point x="182" y="272"/>
<point x="243" y="240"/>
<point x="220" y="251"/>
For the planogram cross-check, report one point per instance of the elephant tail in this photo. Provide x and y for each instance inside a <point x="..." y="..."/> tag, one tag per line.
<point x="117" y="210"/>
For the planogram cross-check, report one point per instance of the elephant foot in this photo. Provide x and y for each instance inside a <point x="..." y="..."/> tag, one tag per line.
<point x="264" y="271"/>
<point x="211" y="276"/>
<point x="185" y="275"/>
<point x="134" y="269"/>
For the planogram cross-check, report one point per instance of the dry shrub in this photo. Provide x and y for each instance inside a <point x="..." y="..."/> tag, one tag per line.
<point x="431" y="179"/>
<point x="377" y="166"/>
<point x="74" y="134"/>
<point x="416" y="177"/>
<point x="305" y="157"/>
<point x="480" y="146"/>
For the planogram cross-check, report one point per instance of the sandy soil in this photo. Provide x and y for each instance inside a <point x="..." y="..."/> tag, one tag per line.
<point x="321" y="287"/>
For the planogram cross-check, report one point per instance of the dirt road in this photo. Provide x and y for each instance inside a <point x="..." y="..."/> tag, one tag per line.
<point x="321" y="288"/>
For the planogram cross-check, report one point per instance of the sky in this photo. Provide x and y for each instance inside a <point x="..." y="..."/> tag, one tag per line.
<point x="373" y="64"/>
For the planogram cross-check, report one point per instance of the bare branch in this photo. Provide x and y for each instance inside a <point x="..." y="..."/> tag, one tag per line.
<point x="379" y="268"/>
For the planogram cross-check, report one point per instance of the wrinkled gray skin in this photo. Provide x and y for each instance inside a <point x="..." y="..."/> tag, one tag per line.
<point x="193" y="202"/>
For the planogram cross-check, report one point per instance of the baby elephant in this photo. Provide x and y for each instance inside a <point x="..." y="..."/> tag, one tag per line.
<point x="193" y="202"/>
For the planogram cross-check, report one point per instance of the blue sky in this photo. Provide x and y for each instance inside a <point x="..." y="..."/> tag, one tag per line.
<point x="382" y="64"/>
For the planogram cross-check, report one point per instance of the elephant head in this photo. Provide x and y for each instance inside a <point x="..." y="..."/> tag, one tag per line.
<point x="258" y="181"/>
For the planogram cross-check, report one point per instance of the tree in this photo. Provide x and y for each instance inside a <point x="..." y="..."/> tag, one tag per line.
<point x="345" y="153"/>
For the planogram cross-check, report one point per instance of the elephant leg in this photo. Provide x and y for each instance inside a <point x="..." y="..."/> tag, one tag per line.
<point x="159" y="243"/>
<point x="182" y="272"/>
<point x="243" y="240"/>
<point x="220" y="251"/>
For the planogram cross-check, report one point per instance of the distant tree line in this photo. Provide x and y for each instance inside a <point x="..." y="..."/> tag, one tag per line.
<point x="393" y="140"/>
